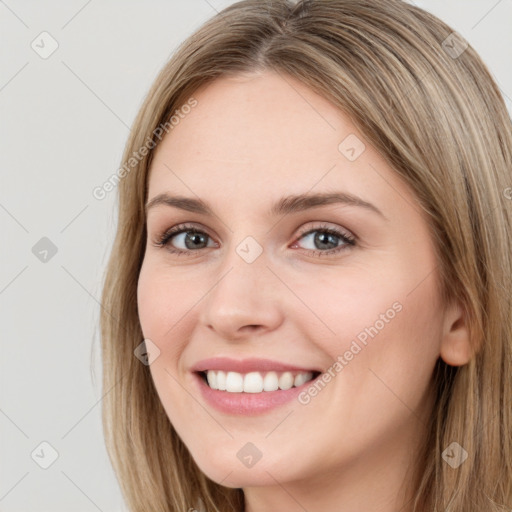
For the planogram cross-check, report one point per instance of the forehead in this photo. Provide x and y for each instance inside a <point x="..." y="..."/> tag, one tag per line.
<point x="261" y="136"/>
<point x="253" y="118"/>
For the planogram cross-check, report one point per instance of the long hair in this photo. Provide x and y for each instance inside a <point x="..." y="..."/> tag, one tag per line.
<point x="428" y="104"/>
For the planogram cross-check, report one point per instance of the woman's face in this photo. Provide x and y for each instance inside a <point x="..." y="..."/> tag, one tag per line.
<point x="264" y="297"/>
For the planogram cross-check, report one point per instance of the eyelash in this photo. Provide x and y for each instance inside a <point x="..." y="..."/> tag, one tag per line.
<point x="164" y="239"/>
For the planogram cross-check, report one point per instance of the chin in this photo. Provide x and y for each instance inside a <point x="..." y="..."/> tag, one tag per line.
<point x="231" y="472"/>
<point x="242" y="477"/>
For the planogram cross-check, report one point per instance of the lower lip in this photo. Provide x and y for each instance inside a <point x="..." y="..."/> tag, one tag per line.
<point x="247" y="404"/>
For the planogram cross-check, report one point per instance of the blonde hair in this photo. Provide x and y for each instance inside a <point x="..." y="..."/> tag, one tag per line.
<point x="429" y="105"/>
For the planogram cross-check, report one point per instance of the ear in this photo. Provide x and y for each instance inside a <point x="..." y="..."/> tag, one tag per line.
<point x="456" y="347"/>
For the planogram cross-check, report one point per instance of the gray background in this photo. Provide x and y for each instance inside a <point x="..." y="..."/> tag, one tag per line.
<point x="64" y="121"/>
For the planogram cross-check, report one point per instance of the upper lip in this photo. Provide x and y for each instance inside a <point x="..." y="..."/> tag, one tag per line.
<point x="247" y="365"/>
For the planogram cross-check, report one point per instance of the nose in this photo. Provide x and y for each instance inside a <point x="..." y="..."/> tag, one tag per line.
<point x="245" y="299"/>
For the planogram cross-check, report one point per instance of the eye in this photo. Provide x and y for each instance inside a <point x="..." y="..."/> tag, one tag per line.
<point x="326" y="240"/>
<point x="186" y="235"/>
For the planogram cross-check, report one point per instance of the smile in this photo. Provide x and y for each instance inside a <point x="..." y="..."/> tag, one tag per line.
<point x="248" y="387"/>
<point x="255" y="382"/>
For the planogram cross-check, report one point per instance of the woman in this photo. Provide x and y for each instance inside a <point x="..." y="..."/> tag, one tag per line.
<point x="307" y="304"/>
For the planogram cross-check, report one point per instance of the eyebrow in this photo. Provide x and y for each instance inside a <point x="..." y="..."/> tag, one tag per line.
<point x="284" y="206"/>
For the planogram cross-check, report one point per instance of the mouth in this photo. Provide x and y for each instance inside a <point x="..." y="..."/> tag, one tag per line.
<point x="248" y="387"/>
<point x="256" y="381"/>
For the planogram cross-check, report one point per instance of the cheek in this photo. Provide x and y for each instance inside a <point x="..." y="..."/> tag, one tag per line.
<point x="164" y="305"/>
<point x="163" y="301"/>
<point x="150" y="300"/>
<point x="385" y="331"/>
<point x="387" y="344"/>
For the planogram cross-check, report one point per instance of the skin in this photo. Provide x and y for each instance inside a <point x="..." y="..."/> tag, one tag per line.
<point x="250" y="140"/>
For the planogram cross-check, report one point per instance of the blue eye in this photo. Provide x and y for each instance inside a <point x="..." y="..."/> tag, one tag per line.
<point x="325" y="236"/>
<point x="193" y="239"/>
<point x="189" y="235"/>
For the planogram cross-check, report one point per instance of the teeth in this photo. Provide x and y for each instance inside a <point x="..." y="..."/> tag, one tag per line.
<point x="212" y="380"/>
<point x="301" y="378"/>
<point x="255" y="382"/>
<point x="221" y="381"/>
<point x="286" y="380"/>
<point x="234" y="382"/>
<point x="271" y="382"/>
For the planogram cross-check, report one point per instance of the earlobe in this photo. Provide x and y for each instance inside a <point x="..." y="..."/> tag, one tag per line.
<point x="456" y="349"/>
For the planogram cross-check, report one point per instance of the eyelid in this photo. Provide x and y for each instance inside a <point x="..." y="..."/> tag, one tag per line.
<point x="325" y="227"/>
